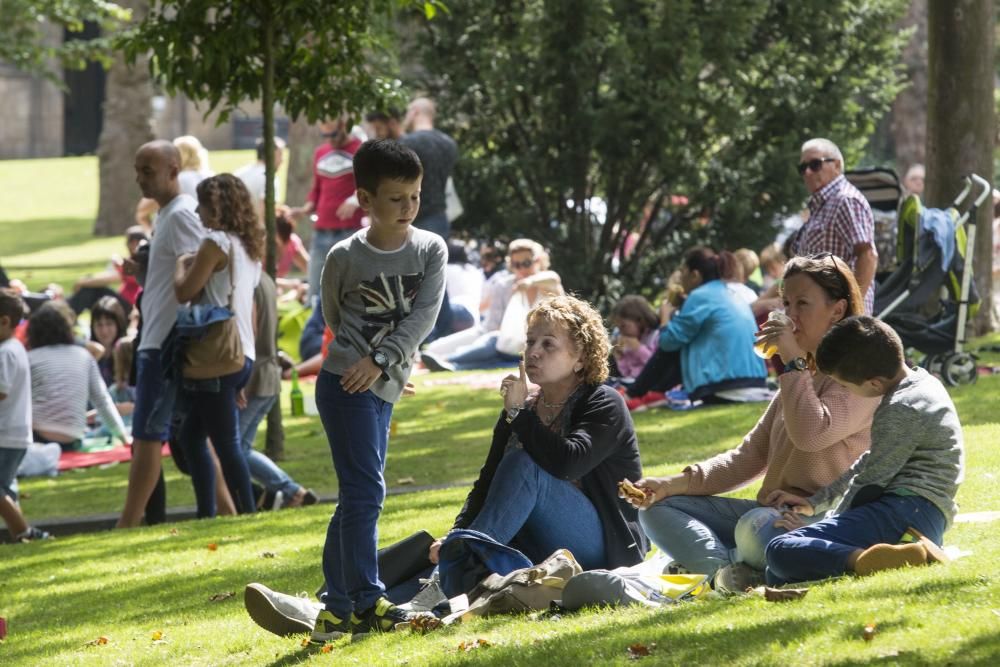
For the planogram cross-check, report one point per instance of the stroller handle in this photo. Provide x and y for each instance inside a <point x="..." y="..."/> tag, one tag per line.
<point x="980" y="182"/>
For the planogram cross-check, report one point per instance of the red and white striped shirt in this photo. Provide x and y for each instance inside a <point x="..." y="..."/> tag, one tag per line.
<point x="840" y="219"/>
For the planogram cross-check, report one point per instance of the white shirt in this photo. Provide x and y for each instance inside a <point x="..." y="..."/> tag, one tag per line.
<point x="178" y="231"/>
<point x="464" y="283"/>
<point x="246" y="275"/>
<point x="15" y="410"/>
<point x="742" y="291"/>
<point x="189" y="180"/>
<point x="254" y="177"/>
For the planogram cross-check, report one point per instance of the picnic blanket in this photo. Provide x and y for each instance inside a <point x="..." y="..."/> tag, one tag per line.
<point x="98" y="453"/>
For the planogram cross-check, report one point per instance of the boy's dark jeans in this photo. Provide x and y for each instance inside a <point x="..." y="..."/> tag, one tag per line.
<point x="357" y="428"/>
<point x="821" y="550"/>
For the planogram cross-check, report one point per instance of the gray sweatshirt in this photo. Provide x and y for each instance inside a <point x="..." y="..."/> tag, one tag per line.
<point x="373" y="299"/>
<point x="917" y="449"/>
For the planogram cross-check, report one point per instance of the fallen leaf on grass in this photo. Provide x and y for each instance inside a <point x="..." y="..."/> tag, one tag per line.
<point x="326" y="648"/>
<point x="403" y="481"/>
<point x="24" y="495"/>
<point x="781" y="594"/>
<point x="173" y="531"/>
<point x="268" y="554"/>
<point x="869" y="632"/>
<point x="424" y="623"/>
<point x="158" y="637"/>
<point x="637" y="651"/>
<point x="212" y="546"/>
<point x="219" y="597"/>
<point x="472" y="645"/>
<point x="305" y="642"/>
<point x="100" y="641"/>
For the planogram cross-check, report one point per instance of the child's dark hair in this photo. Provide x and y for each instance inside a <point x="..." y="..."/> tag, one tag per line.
<point x="11" y="306"/>
<point x="385" y="159"/>
<point x="108" y="307"/>
<point x="710" y="265"/>
<point x="284" y="226"/>
<point x="636" y="308"/>
<point x="860" y="348"/>
<point x="52" y="324"/>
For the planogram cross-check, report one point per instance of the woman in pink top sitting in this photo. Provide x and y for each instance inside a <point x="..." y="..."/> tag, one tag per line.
<point x="812" y="431"/>
<point x="291" y="252"/>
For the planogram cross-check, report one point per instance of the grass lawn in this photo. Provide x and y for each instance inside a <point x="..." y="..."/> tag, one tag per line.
<point x="48" y="206"/>
<point x="148" y="590"/>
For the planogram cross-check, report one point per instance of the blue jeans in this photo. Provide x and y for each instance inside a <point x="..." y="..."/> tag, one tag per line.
<point x="262" y="468"/>
<point x="311" y="339"/>
<point x="148" y="387"/>
<point x="822" y="549"/>
<point x="10" y="460"/>
<point x="322" y="241"/>
<point x="537" y="513"/>
<point x="704" y="533"/>
<point x="357" y="428"/>
<point x="482" y="354"/>
<point x="213" y="413"/>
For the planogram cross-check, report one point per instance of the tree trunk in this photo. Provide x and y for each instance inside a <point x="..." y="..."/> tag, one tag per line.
<point x="127" y="113"/>
<point x="909" y="110"/>
<point x="267" y="101"/>
<point x="960" y="118"/>
<point x="303" y="138"/>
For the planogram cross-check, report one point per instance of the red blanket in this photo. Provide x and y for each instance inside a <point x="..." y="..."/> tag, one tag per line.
<point x="119" y="454"/>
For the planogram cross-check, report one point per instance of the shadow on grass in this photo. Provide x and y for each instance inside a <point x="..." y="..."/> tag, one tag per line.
<point x="22" y="237"/>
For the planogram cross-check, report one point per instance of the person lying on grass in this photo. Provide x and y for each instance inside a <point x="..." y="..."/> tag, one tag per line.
<point x="907" y="480"/>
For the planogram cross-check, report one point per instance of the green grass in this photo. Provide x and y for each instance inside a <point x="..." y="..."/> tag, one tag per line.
<point x="48" y="207"/>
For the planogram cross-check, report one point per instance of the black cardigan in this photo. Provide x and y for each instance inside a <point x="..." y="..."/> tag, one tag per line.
<point x="600" y="449"/>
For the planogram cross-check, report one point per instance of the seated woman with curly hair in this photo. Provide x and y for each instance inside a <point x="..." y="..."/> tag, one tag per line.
<point x="550" y="480"/>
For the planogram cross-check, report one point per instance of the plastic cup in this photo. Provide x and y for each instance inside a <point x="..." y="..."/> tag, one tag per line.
<point x="765" y="349"/>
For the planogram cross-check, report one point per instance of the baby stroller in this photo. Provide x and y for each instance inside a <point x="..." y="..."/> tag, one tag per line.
<point x="934" y="253"/>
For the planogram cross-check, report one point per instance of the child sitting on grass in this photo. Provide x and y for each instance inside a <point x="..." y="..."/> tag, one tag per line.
<point x="15" y="416"/>
<point x="907" y="480"/>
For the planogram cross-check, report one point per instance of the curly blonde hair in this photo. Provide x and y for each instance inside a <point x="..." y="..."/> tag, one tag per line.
<point x="585" y="328"/>
<point x="228" y="198"/>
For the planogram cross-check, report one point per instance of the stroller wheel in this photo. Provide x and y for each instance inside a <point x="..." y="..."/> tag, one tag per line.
<point x="959" y="368"/>
<point x="932" y="364"/>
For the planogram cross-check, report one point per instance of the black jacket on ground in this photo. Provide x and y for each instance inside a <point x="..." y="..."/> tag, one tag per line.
<point x="599" y="448"/>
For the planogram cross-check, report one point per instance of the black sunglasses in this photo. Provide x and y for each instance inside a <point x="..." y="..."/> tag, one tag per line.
<point x="526" y="264"/>
<point x="814" y="165"/>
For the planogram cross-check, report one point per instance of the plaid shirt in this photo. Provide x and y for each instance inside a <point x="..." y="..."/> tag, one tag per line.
<point x="840" y="218"/>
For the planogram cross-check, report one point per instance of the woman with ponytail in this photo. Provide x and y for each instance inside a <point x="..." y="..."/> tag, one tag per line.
<point x="707" y="344"/>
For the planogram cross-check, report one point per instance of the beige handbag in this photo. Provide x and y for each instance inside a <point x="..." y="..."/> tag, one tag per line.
<point x="220" y="351"/>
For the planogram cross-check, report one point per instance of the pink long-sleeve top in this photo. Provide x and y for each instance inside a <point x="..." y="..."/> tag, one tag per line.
<point x="812" y="431"/>
<point x="631" y="362"/>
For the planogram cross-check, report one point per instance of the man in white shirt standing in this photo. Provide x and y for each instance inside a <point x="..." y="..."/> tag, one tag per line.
<point x="255" y="178"/>
<point x="178" y="231"/>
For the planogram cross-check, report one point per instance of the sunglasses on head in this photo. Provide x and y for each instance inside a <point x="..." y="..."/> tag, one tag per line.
<point x="526" y="264"/>
<point x="814" y="165"/>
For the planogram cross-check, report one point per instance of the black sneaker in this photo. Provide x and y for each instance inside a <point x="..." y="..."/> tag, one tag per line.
<point x="382" y="617"/>
<point x="33" y="534"/>
<point x="328" y="627"/>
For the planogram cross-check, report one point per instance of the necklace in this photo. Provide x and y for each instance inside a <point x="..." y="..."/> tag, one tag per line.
<point x="550" y="406"/>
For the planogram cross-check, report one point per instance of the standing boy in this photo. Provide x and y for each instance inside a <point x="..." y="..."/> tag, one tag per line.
<point x="381" y="291"/>
<point x="15" y="416"/>
<point x="907" y="480"/>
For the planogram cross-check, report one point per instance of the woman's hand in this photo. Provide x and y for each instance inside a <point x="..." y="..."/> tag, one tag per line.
<point x="629" y="343"/>
<point x="658" y="488"/>
<point x="781" y="333"/>
<point x="514" y="389"/>
<point x="784" y="501"/>
<point x="409" y="389"/>
<point x="435" y="551"/>
<point x="790" y="520"/>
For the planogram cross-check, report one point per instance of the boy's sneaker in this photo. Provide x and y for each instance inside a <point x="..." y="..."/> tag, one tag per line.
<point x="33" y="534"/>
<point x="382" y="617"/>
<point x="889" y="557"/>
<point x="737" y="578"/>
<point x="328" y="627"/>
<point x="279" y="613"/>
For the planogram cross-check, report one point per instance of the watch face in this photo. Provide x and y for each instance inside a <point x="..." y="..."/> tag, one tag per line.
<point x="380" y="359"/>
<point x="801" y="363"/>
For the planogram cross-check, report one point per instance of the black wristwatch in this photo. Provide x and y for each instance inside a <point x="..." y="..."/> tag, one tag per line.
<point x="797" y="364"/>
<point x="380" y="359"/>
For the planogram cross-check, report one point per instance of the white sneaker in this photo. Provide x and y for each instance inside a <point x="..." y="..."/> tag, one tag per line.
<point x="279" y="613"/>
<point x="737" y="578"/>
<point x="428" y="597"/>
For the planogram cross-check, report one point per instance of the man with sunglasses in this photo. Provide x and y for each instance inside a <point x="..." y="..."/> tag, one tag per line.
<point x="840" y="218"/>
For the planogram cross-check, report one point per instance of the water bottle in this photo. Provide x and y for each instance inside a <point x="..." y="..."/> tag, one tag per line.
<point x="298" y="404"/>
